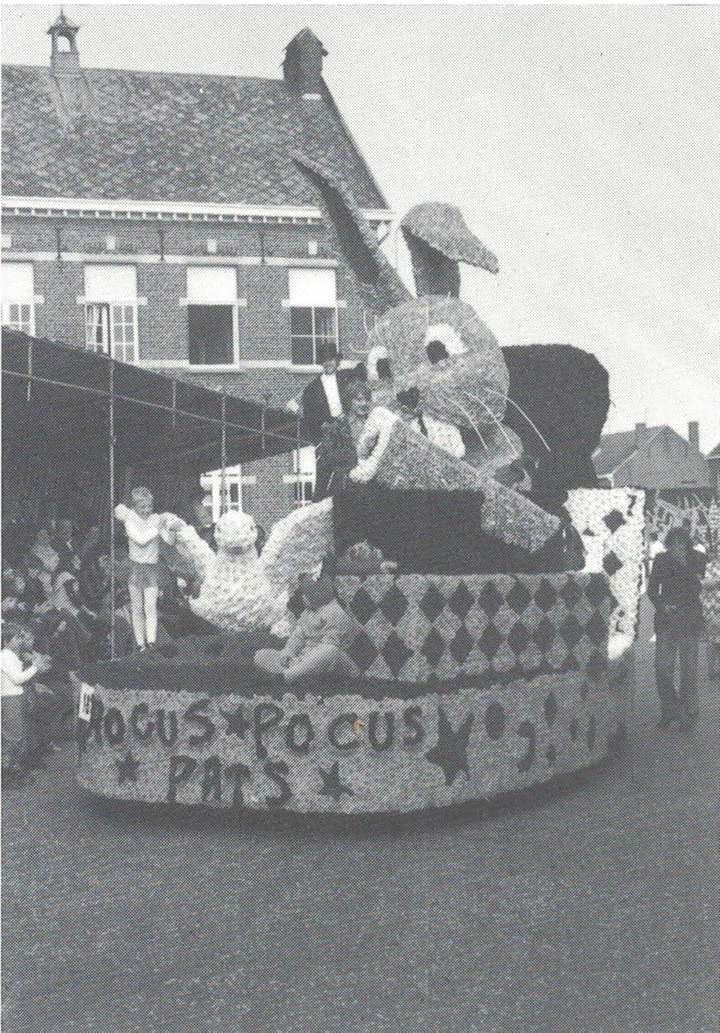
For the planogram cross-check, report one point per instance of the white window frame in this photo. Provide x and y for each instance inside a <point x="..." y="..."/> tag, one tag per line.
<point x="313" y="303"/>
<point x="211" y="482"/>
<point x="26" y="302"/>
<point x="112" y="301"/>
<point x="303" y="476"/>
<point x="235" y="304"/>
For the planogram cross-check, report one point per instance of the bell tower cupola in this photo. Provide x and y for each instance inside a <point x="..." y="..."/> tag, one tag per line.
<point x="64" y="56"/>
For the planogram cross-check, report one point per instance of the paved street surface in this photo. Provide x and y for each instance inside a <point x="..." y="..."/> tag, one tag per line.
<point x="592" y="909"/>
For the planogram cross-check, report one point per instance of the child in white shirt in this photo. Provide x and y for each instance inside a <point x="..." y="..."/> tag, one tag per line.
<point x="17" y="641"/>
<point x="144" y="529"/>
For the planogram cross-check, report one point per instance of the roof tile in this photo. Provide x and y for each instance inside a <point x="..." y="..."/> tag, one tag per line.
<point x="157" y="136"/>
<point x="616" y="448"/>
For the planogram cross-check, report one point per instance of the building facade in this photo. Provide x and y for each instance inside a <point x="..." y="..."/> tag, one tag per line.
<point x="714" y="464"/>
<point x="654" y="458"/>
<point x="160" y="217"/>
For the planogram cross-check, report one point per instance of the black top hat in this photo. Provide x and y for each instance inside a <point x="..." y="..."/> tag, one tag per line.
<point x="409" y="399"/>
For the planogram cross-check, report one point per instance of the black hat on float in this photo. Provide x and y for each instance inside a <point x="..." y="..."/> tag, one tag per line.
<point x="409" y="399"/>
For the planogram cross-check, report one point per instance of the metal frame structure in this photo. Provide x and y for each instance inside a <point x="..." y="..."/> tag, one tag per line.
<point x="282" y="441"/>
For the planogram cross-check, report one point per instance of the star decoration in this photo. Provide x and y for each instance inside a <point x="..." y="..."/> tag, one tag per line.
<point x="450" y="752"/>
<point x="331" y="784"/>
<point x="127" y="769"/>
<point x="237" y="723"/>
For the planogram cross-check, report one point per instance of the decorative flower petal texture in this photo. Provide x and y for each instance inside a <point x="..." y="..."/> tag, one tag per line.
<point x="468" y="387"/>
<point x="443" y="227"/>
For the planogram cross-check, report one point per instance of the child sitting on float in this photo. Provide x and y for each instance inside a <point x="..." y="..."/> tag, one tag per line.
<point x="318" y="643"/>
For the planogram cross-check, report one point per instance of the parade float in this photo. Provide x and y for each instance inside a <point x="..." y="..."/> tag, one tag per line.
<point x="497" y="655"/>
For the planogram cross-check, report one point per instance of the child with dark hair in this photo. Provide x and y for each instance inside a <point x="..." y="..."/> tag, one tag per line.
<point x="318" y="643"/>
<point x="674" y="590"/>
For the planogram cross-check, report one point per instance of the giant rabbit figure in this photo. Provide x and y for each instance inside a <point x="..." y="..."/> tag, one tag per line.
<point x="544" y="404"/>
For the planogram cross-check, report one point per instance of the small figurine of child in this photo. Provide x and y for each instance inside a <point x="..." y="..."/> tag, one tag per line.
<point x="144" y="529"/>
<point x="318" y="643"/>
<point x="17" y="642"/>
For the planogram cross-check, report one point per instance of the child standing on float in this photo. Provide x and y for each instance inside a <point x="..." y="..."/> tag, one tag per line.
<point x="144" y="529"/>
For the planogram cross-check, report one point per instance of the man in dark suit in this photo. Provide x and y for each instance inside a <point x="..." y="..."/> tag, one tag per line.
<point x="322" y="398"/>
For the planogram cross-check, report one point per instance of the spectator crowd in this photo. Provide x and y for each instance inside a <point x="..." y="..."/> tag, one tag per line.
<point x="57" y="617"/>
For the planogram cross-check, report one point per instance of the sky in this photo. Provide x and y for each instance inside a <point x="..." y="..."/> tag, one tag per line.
<point x="582" y="144"/>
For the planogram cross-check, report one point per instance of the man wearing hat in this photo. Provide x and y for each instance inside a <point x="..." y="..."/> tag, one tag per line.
<point x="321" y="399"/>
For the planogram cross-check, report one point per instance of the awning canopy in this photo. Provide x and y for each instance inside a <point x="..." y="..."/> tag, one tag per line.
<point x="56" y="412"/>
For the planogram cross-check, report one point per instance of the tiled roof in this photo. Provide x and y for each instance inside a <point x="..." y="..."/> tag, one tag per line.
<point x="157" y="136"/>
<point x="616" y="448"/>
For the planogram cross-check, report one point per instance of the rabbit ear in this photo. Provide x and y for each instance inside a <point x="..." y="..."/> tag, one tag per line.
<point x="380" y="286"/>
<point x="433" y="271"/>
<point x="438" y="239"/>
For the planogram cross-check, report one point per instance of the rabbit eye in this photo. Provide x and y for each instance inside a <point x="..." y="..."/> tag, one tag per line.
<point x="436" y="351"/>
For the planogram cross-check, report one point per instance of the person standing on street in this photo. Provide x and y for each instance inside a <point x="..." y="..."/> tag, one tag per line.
<point x="674" y="590"/>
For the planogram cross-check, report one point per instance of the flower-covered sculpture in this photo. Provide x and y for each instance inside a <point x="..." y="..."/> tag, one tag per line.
<point x="441" y="347"/>
<point x="551" y="399"/>
<point x="449" y="507"/>
<point x="235" y="592"/>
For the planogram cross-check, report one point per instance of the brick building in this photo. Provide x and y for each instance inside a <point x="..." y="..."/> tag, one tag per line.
<point x="160" y="217"/>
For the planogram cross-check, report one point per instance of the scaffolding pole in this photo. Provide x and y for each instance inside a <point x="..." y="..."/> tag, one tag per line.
<point x="223" y="457"/>
<point x="111" y="461"/>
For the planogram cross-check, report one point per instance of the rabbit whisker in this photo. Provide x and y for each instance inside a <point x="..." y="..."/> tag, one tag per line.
<point x="501" y="394"/>
<point x="472" y="424"/>
<point x="476" y="398"/>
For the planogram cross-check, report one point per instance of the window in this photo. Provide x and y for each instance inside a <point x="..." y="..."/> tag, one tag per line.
<point x="212" y="316"/>
<point x="18" y="296"/>
<point x="313" y="313"/>
<point x="236" y="490"/>
<point x="302" y="478"/>
<point x="111" y="311"/>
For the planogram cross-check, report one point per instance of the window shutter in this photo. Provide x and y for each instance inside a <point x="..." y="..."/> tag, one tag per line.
<point x="18" y="283"/>
<point x="207" y="285"/>
<point x="111" y="283"/>
<point x="312" y="288"/>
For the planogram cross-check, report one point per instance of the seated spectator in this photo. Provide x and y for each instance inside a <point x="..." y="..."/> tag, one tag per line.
<point x="91" y="544"/>
<point x="64" y="542"/>
<point x="43" y="551"/>
<point x="38" y="581"/>
<point x="67" y="599"/>
<point x="317" y="645"/>
<point x="94" y="580"/>
<point x="14" y="603"/>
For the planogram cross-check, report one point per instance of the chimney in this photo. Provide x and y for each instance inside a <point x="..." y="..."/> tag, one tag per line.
<point x="640" y="429"/>
<point x="694" y="434"/>
<point x="64" y="56"/>
<point x="302" y="67"/>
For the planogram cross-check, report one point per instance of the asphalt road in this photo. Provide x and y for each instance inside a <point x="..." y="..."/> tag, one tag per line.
<point x="590" y="909"/>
